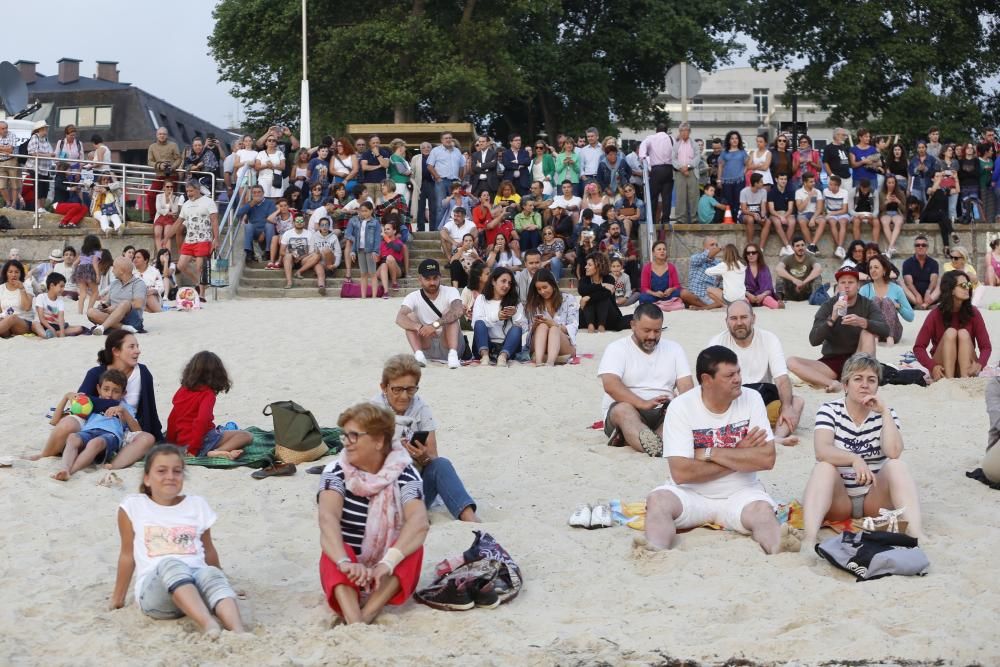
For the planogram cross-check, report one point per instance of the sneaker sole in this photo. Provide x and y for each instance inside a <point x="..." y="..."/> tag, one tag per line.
<point x="448" y="606"/>
<point x="491" y="605"/>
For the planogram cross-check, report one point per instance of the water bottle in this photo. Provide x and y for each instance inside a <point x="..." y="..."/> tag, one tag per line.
<point x="842" y="303"/>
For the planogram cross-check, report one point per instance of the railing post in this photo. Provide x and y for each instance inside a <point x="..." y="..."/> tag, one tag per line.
<point x="37" y="189"/>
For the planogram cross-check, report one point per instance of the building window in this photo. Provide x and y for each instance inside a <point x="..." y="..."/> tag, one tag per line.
<point x="85" y="116"/>
<point x="697" y="101"/>
<point x="760" y="100"/>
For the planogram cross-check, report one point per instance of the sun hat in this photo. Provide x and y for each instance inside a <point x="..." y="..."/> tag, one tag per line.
<point x="56" y="255"/>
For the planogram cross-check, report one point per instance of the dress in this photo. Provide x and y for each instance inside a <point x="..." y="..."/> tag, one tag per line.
<point x="85" y="270"/>
<point x="757" y="162"/>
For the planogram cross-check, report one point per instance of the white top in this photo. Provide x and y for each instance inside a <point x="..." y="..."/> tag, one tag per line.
<point x="508" y="259"/>
<point x="151" y="276"/>
<point x="163" y="531"/>
<point x="489" y="312"/>
<point x="456" y="233"/>
<point x="571" y="203"/>
<point x="66" y="271"/>
<point x="298" y="242"/>
<point x="10" y="303"/>
<point x="316" y="216"/>
<point x="167" y="207"/>
<point x="269" y="161"/>
<point x="733" y="280"/>
<point x="197" y="217"/>
<point x="761" y="361"/>
<point x="342" y="166"/>
<point x="757" y="162"/>
<point x="445" y="297"/>
<point x="246" y="156"/>
<point x="689" y="424"/>
<point x="813" y="197"/>
<point x="329" y="242"/>
<point x="835" y="200"/>
<point x="645" y="375"/>
<point x="50" y="308"/>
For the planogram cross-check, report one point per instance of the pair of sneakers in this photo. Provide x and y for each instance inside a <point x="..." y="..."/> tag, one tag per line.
<point x="592" y="516"/>
<point x="453" y="361"/>
<point x="457" y="594"/>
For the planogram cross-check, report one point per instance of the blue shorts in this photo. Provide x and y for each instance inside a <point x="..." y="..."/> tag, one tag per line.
<point x="134" y="319"/>
<point x="112" y="443"/>
<point x="210" y="441"/>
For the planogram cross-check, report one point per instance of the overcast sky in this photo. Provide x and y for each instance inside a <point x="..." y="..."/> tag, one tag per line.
<point x="170" y="62"/>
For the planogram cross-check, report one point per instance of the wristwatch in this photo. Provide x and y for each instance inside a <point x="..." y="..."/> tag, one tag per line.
<point x="708" y="454"/>
<point x="436" y="324"/>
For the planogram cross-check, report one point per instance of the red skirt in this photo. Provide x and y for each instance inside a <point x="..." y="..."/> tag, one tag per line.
<point x="408" y="573"/>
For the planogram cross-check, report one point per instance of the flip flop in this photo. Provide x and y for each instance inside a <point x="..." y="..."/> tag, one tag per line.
<point x="275" y="470"/>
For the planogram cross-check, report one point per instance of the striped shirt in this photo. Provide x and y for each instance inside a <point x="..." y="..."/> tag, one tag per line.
<point x="8" y="140"/>
<point x="355" y="513"/>
<point x="863" y="440"/>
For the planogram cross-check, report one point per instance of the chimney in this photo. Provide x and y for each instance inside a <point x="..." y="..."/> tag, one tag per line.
<point x="27" y="70"/>
<point x="69" y="70"/>
<point x="107" y="70"/>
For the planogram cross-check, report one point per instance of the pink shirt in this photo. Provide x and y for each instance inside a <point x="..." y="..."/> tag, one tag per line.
<point x="685" y="152"/>
<point x="657" y="148"/>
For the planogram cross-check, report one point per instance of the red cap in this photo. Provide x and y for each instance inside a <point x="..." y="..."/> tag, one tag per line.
<point x="847" y="272"/>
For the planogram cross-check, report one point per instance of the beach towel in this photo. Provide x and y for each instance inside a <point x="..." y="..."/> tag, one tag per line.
<point x="260" y="452"/>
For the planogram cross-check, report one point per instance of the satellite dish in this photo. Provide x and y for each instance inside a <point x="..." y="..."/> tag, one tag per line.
<point x="673" y="83"/>
<point x="13" y="90"/>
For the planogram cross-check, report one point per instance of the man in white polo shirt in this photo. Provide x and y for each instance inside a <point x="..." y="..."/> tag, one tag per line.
<point x="762" y="366"/>
<point x="641" y="374"/>
<point x="716" y="438"/>
<point x="430" y="316"/>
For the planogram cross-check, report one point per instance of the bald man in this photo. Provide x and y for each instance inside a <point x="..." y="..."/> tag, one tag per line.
<point x="126" y="299"/>
<point x="696" y="296"/>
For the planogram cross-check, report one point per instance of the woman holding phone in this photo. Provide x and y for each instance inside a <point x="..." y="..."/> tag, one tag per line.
<point x="498" y="320"/>
<point x="400" y="383"/>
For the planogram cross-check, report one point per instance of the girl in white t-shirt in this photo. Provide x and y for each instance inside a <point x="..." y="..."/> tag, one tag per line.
<point x="166" y="542"/>
<point x="733" y="272"/>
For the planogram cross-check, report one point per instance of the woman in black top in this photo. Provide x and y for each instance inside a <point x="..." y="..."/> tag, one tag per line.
<point x="598" y="309"/>
<point x="897" y="163"/>
<point x="968" y="178"/>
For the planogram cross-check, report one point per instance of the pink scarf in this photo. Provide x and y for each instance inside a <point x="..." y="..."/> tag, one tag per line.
<point x="385" y="510"/>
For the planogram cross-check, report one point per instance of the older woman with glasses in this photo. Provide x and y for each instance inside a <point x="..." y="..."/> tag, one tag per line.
<point x="400" y="384"/>
<point x="953" y="331"/>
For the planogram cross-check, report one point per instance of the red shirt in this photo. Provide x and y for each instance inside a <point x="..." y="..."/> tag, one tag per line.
<point x="933" y="330"/>
<point x="191" y="418"/>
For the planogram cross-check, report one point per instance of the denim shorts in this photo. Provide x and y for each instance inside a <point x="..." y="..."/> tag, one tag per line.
<point x="210" y="441"/>
<point x="134" y="319"/>
<point x="112" y="443"/>
<point x="156" y="597"/>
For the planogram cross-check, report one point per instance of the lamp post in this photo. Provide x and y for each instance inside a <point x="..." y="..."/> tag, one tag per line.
<point x="304" y="129"/>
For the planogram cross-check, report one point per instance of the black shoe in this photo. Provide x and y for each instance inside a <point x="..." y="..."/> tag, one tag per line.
<point x="447" y="596"/>
<point x="812" y="248"/>
<point x="484" y="596"/>
<point x="250" y="257"/>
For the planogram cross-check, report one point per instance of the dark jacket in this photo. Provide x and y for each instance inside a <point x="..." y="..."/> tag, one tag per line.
<point x="145" y="412"/>
<point x="519" y="162"/>
<point x="604" y="173"/>
<point x="487" y="167"/>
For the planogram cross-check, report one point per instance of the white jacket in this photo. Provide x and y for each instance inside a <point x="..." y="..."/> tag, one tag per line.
<point x="489" y="312"/>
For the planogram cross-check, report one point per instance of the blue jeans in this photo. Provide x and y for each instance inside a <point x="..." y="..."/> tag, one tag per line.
<point x="440" y="479"/>
<point x="556" y="266"/>
<point x="481" y="340"/>
<point x="156" y="598"/>
<point x="251" y="232"/>
<point x="442" y="189"/>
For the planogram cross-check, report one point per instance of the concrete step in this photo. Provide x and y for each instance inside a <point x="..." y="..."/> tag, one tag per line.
<point x="297" y="292"/>
<point x="277" y="279"/>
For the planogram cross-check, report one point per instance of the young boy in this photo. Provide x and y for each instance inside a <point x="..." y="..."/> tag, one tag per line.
<point x="708" y="205"/>
<point x="102" y="434"/>
<point x="835" y="199"/>
<point x="50" y="314"/>
<point x="864" y="210"/>
<point x="327" y="244"/>
<point x="282" y="220"/>
<point x="809" y="204"/>
<point x="298" y="250"/>
<point x="624" y="296"/>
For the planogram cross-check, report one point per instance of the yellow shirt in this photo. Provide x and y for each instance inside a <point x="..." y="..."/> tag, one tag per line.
<point x="968" y="270"/>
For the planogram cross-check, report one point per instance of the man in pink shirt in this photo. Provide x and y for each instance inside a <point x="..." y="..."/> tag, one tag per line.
<point x="685" y="161"/>
<point x="657" y="151"/>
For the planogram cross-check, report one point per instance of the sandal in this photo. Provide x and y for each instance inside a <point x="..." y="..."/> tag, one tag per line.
<point x="275" y="470"/>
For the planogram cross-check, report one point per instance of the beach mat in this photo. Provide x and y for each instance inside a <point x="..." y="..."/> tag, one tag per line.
<point x="260" y="452"/>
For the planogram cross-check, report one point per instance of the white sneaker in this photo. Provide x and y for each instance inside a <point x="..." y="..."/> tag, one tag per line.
<point x="97" y="331"/>
<point x="129" y="328"/>
<point x="785" y="251"/>
<point x="580" y="518"/>
<point x="890" y="252"/>
<point x="421" y="359"/>
<point x="600" y="516"/>
<point x="453" y="361"/>
<point x="840" y="252"/>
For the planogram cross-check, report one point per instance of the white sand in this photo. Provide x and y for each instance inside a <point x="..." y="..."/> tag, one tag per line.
<point x="518" y="439"/>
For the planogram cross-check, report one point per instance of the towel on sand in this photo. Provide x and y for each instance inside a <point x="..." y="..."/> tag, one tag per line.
<point x="260" y="452"/>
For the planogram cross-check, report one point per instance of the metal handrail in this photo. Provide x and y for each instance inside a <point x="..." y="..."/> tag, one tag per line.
<point x="134" y="179"/>
<point x="650" y="232"/>
<point x="229" y="226"/>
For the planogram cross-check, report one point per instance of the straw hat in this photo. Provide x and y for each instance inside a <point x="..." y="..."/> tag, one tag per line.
<point x="56" y="255"/>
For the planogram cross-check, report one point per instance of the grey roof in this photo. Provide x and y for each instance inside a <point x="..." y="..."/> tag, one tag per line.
<point x="50" y="84"/>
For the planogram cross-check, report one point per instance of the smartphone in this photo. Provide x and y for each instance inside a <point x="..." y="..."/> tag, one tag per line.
<point x="420" y="436"/>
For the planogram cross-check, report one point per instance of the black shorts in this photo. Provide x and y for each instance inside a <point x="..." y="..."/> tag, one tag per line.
<point x="767" y="391"/>
<point x="651" y="418"/>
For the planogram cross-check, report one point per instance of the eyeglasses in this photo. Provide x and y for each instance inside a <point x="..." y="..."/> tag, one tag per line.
<point x="964" y="285"/>
<point x="955" y="258"/>
<point x="352" y="436"/>
<point x="751" y="252"/>
<point x="919" y="245"/>
<point x="782" y="141"/>
<point x="409" y="391"/>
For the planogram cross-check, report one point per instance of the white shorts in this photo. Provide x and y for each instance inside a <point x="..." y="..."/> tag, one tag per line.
<point x="842" y="217"/>
<point x="697" y="510"/>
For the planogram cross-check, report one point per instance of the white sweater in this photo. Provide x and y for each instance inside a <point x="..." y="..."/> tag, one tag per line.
<point x="734" y="285"/>
<point x="489" y="312"/>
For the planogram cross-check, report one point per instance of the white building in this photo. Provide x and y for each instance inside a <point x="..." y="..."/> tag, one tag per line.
<point x="745" y="100"/>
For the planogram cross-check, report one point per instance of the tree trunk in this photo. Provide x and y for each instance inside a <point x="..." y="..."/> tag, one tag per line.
<point x="455" y="112"/>
<point x="547" y="118"/>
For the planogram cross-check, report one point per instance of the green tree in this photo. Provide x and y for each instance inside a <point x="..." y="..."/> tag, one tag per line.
<point x="896" y="66"/>
<point x="517" y="64"/>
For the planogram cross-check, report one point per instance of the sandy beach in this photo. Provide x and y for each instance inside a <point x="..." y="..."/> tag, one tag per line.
<point x="520" y="442"/>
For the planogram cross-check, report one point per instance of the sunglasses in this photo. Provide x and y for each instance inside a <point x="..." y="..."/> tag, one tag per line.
<point x="919" y="245"/>
<point x="966" y="285"/>
<point x="955" y="258"/>
<point x="751" y="252"/>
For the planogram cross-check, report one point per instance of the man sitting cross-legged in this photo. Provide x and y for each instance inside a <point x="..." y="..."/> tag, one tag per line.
<point x="641" y="374"/>
<point x="716" y="438"/>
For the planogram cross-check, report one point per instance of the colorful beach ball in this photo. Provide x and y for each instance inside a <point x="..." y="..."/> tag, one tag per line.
<point x="81" y="405"/>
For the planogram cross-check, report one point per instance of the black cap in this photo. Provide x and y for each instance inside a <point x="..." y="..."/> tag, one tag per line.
<point x="429" y="267"/>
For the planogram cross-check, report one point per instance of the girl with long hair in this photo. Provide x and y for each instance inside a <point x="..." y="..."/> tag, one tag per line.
<point x="733" y="272"/>
<point x="953" y="331"/>
<point x="554" y="317"/>
<point x="757" y="279"/>
<point x="888" y="296"/>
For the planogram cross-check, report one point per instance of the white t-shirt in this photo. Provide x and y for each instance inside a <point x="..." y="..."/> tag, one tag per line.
<point x="50" y="308"/>
<point x="456" y="233"/>
<point x="197" y="217"/>
<point x="299" y="242"/>
<point x="445" y="297"/>
<point x="246" y="156"/>
<point x="645" y="375"/>
<point x="10" y="303"/>
<point x="733" y="280"/>
<point x="66" y="271"/>
<point x="166" y="532"/>
<point x="835" y="200"/>
<point x="570" y="204"/>
<point x="689" y="424"/>
<point x="271" y="161"/>
<point x="151" y="276"/>
<point x="761" y="361"/>
<point x="813" y="197"/>
<point x="316" y="216"/>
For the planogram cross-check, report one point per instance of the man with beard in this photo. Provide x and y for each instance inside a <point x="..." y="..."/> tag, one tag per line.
<point x="763" y="369"/>
<point x="616" y="246"/>
<point x="641" y="374"/>
<point x="430" y="317"/>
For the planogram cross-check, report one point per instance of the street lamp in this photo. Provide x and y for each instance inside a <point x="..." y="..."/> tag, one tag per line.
<point x="304" y="129"/>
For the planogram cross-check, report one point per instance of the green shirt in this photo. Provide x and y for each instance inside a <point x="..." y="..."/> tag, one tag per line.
<point x="521" y="221"/>
<point x="706" y="209"/>
<point x="394" y="173"/>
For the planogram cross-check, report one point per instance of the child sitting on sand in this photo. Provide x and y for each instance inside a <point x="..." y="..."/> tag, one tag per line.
<point x="102" y="434"/>
<point x="166" y="542"/>
<point x="190" y="424"/>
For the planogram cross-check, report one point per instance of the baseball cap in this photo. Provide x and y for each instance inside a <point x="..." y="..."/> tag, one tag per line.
<point x="847" y="272"/>
<point x="429" y="268"/>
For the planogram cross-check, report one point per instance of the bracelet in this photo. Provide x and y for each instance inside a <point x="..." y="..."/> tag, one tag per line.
<point x="341" y="561"/>
<point x="392" y="558"/>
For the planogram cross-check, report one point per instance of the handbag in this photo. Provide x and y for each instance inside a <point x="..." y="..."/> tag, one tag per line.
<point x="297" y="437"/>
<point x="218" y="272"/>
<point x="276" y="179"/>
<point x="353" y="291"/>
<point x="670" y="305"/>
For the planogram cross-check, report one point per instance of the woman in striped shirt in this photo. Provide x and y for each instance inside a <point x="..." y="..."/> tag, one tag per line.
<point x="858" y="447"/>
<point x="372" y="518"/>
